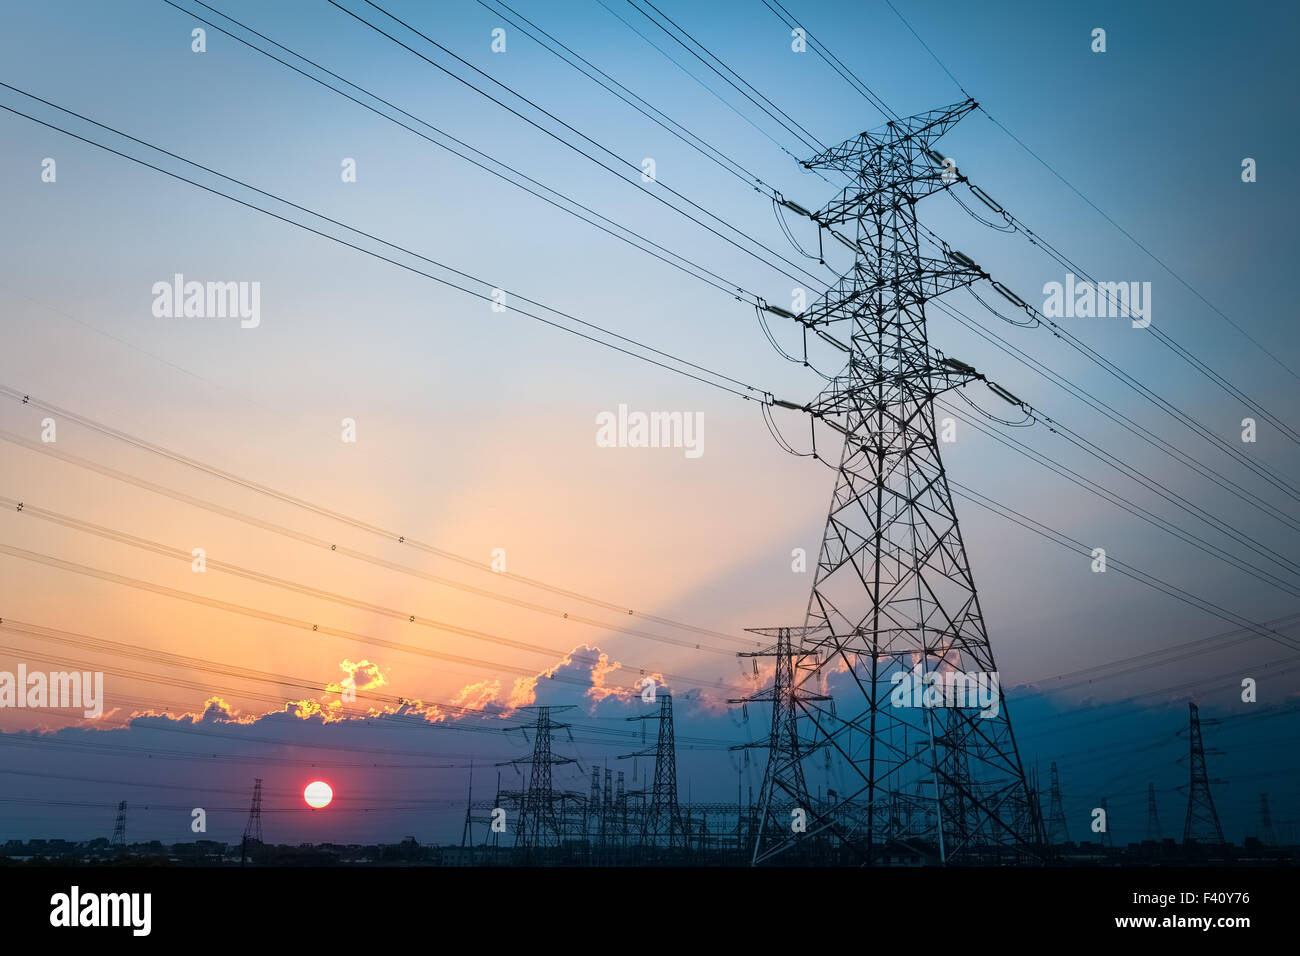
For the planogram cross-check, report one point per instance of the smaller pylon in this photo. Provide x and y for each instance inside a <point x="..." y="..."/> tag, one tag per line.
<point x="467" y="831"/>
<point x="620" y="810"/>
<point x="1153" y="817"/>
<point x="540" y="820"/>
<point x="252" y="829"/>
<point x="1057" y="830"/>
<point x="784" y="786"/>
<point x="1266" y="834"/>
<point x="663" y="824"/>
<point x="607" y="811"/>
<point x="1202" y="823"/>
<point x="119" y="828"/>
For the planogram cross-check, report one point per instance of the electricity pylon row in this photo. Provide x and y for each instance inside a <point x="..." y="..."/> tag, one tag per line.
<point x="543" y="819"/>
<point x="1201" y="824"/>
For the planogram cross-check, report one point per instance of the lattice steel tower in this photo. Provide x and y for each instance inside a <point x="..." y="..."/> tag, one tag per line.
<point x="1202" y="823"/>
<point x="539" y="824"/>
<point x="1266" y="834"/>
<point x="784" y="787"/>
<point x="1058" y="831"/>
<point x="663" y="825"/>
<point x="253" y="829"/>
<point x="1153" y="814"/>
<point x="1104" y="838"/>
<point x="119" y="828"/>
<point x="893" y="591"/>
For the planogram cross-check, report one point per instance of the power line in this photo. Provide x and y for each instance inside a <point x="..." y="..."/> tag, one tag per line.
<point x="1165" y="338"/>
<point x="25" y="507"/>
<point x="1150" y="580"/>
<point x="715" y="384"/>
<point x="806" y="139"/>
<point x="927" y="47"/>
<point x="1127" y="504"/>
<point x="833" y="61"/>
<point x="119" y="649"/>
<point x="1290" y="371"/>
<point x="1224" y="640"/>
<point x="341" y="798"/>
<point x="1030" y="524"/>
<point x="1263" y="471"/>
<point x="705" y="86"/>
<point x="1160" y="262"/>
<point x="301" y="624"/>
<point x="450" y="715"/>
<point x="1162" y="658"/>
<point x="1288" y="665"/>
<point x="487" y="297"/>
<point x="1072" y="544"/>
<point x="1153" y="439"/>
<point x="302" y="504"/>
<point x="335" y="548"/>
<point x="638" y="103"/>
<point x="560" y="139"/>
<point x="684" y="264"/>
<point x="1208" y="434"/>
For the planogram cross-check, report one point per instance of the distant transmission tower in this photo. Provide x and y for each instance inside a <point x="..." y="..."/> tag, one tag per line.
<point x="1035" y="806"/>
<point x="1153" y="817"/>
<point x="1266" y="834"/>
<point x="1057" y="830"/>
<point x="893" y="592"/>
<point x="119" y="828"/>
<point x="608" y="817"/>
<point x="784" y="787"/>
<point x="467" y="829"/>
<point x="1202" y="825"/>
<point x="253" y="828"/>
<point x="663" y="824"/>
<point x="620" y="811"/>
<point x="539" y="824"/>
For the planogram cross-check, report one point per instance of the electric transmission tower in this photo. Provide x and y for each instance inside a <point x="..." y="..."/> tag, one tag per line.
<point x="119" y="828"/>
<point x="1153" y="817"/>
<point x="784" y="787"/>
<point x="663" y="824"/>
<point x="253" y="828"/>
<point x="1035" y="805"/>
<point x="467" y="828"/>
<point x="1202" y="824"/>
<point x="539" y="823"/>
<point x="1057" y="830"/>
<point x="1266" y="835"/>
<point x="893" y="592"/>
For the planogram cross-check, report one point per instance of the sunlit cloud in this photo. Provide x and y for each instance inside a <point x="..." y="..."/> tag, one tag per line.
<point x="478" y="695"/>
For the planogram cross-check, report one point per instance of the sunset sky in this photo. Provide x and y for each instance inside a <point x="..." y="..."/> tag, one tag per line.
<point x="476" y="430"/>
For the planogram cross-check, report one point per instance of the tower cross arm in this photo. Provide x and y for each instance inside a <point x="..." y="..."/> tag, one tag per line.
<point x="859" y="291"/>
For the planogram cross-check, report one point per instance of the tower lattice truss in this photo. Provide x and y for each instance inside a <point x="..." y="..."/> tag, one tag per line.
<point x="893" y="591"/>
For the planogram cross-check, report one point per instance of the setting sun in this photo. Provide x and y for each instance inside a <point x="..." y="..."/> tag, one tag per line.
<point x="318" y="794"/>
